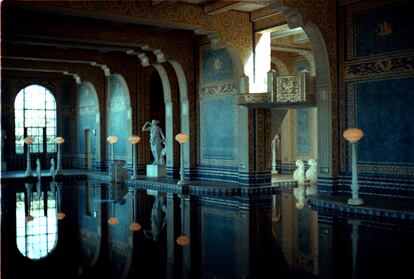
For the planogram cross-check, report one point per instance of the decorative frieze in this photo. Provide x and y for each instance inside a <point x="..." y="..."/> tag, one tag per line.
<point x="252" y="98"/>
<point x="372" y="68"/>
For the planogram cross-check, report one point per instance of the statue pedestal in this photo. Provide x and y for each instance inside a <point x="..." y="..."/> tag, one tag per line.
<point x="156" y="171"/>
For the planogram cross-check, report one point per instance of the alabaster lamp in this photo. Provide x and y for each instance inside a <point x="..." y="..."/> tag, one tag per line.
<point x="28" y="141"/>
<point x="59" y="141"/>
<point x="134" y="139"/>
<point x="182" y="138"/>
<point x="112" y="140"/>
<point x="353" y="135"/>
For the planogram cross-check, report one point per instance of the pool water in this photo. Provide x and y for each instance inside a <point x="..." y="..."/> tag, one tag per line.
<point x="243" y="236"/>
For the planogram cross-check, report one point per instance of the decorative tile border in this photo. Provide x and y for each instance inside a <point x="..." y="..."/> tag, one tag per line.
<point x="340" y="207"/>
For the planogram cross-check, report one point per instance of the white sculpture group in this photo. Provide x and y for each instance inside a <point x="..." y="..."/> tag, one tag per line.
<point x="301" y="192"/>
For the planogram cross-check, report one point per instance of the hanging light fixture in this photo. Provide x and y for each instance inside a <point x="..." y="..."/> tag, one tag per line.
<point x="183" y="240"/>
<point x="135" y="226"/>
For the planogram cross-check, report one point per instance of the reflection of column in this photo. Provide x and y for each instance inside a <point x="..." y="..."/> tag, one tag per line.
<point x="354" y="239"/>
<point x="173" y="251"/>
<point x="275" y="144"/>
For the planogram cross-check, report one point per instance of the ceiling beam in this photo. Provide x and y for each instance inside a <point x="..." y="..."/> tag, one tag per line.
<point x="75" y="76"/>
<point x="218" y="7"/>
<point x="162" y="3"/>
<point x="264" y="13"/>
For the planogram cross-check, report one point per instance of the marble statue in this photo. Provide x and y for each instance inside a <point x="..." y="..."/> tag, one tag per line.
<point x="275" y="143"/>
<point x="312" y="176"/>
<point x="158" y="217"/>
<point x="299" y="192"/>
<point x="299" y="173"/>
<point x="157" y="139"/>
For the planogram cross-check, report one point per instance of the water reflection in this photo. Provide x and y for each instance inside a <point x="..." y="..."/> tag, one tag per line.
<point x="247" y="236"/>
<point x="36" y="221"/>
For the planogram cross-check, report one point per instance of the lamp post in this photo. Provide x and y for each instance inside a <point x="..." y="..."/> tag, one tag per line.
<point x="182" y="138"/>
<point x="353" y="135"/>
<point x="112" y="140"/>
<point x="59" y="141"/>
<point x="275" y="145"/>
<point x="28" y="141"/>
<point x="134" y="139"/>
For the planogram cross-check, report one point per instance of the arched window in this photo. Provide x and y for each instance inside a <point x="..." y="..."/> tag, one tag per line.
<point x="35" y="116"/>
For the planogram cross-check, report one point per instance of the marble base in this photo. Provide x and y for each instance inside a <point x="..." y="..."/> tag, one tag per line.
<point x="355" y="201"/>
<point x="156" y="171"/>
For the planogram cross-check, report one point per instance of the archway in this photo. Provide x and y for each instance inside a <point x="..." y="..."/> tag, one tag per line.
<point x="119" y="117"/>
<point x="88" y="126"/>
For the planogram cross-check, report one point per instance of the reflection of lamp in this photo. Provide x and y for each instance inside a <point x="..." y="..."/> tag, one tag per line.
<point x="135" y="226"/>
<point x="28" y="141"/>
<point x="114" y="196"/>
<point x="134" y="139"/>
<point x="183" y="240"/>
<point x="60" y="215"/>
<point x="113" y="220"/>
<point x="29" y="217"/>
<point x="112" y="140"/>
<point x="59" y="141"/>
<point x="182" y="138"/>
<point x="353" y="135"/>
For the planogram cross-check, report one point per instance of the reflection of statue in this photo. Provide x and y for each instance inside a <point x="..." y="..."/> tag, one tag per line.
<point x="38" y="169"/>
<point x="158" y="217"/>
<point x="3" y="141"/>
<point x="52" y="168"/>
<point x="312" y="176"/>
<point x="157" y="138"/>
<point x="117" y="173"/>
<point x="299" y="192"/>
